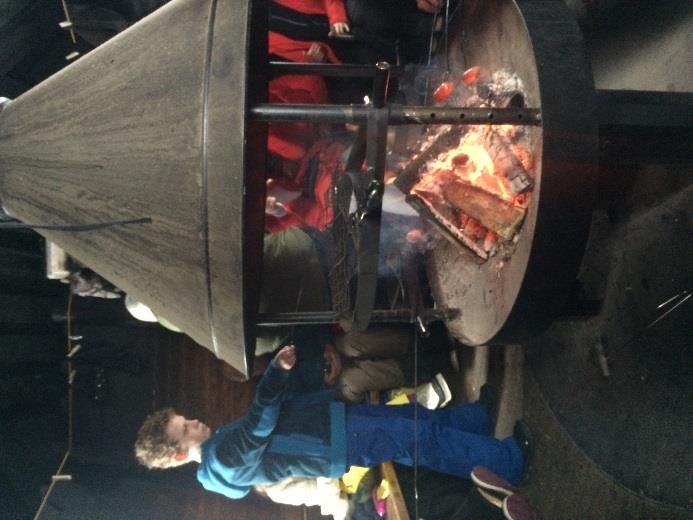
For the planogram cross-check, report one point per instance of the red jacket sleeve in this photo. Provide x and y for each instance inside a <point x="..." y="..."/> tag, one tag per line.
<point x="295" y="50"/>
<point x="336" y="12"/>
<point x="298" y="89"/>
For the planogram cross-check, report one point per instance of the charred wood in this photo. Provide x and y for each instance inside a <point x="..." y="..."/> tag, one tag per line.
<point x="442" y="222"/>
<point x="492" y="212"/>
<point x="441" y="144"/>
<point x="507" y="163"/>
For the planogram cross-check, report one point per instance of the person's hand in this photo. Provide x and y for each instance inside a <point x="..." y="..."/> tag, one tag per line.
<point x="339" y="28"/>
<point x="333" y="365"/>
<point x="286" y="357"/>
<point x="315" y="53"/>
<point x="429" y="6"/>
<point x="274" y="208"/>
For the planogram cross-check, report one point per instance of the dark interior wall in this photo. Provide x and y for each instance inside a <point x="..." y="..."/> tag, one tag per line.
<point x="124" y="370"/>
<point x="32" y="389"/>
<point x="33" y="44"/>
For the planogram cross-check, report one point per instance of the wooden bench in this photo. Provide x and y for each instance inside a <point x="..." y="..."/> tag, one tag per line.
<point x="396" y="506"/>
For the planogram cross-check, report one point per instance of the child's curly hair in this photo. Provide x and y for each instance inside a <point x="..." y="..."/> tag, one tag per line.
<point x="153" y="447"/>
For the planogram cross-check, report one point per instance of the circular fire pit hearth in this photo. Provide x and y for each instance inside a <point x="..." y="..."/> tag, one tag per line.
<point x="515" y="294"/>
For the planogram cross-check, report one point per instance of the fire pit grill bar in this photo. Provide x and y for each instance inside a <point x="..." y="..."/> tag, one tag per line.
<point x="343" y="70"/>
<point x="378" y="316"/>
<point x="399" y="114"/>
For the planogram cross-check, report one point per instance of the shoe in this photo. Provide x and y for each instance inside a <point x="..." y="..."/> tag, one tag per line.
<point x="427" y="397"/>
<point x="488" y="398"/>
<point x="517" y="507"/>
<point x="492" y="499"/>
<point x="487" y="480"/>
<point x="525" y="442"/>
<point x="434" y="394"/>
<point x="379" y="504"/>
<point x="440" y="385"/>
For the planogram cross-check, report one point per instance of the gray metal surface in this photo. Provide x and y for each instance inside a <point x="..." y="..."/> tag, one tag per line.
<point x="151" y="124"/>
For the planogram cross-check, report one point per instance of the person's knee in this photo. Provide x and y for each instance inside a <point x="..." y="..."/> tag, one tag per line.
<point x="351" y="395"/>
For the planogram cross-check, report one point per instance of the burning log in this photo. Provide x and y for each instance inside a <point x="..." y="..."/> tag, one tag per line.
<point x="442" y="143"/>
<point x="445" y="188"/>
<point x="443" y="223"/>
<point x="507" y="164"/>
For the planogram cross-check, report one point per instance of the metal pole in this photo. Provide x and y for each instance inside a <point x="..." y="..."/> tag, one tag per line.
<point x="399" y="114"/>
<point x="380" y="84"/>
<point x="378" y="316"/>
<point x="346" y="70"/>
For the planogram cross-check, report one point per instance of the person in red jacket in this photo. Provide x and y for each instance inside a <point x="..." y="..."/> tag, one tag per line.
<point x="312" y="206"/>
<point x="302" y="156"/>
<point x="325" y="22"/>
<point x="297" y="197"/>
<point x="377" y="29"/>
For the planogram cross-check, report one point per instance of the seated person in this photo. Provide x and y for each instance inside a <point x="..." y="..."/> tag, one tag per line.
<point x="314" y="436"/>
<point x="355" y="363"/>
<point x="302" y="156"/>
<point x="406" y="36"/>
<point x="333" y="10"/>
<point x="320" y="21"/>
<point x="299" y="190"/>
<point x="297" y="491"/>
<point x="397" y="31"/>
<point x="294" y="280"/>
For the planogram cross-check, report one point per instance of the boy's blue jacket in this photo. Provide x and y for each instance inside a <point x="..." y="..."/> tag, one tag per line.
<point x="276" y="439"/>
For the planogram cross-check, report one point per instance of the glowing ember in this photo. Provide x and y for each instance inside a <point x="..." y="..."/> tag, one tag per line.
<point x="414" y="235"/>
<point x="471" y="75"/>
<point x="442" y="93"/>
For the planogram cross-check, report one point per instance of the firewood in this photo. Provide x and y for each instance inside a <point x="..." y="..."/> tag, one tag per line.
<point x="446" y="140"/>
<point x="501" y="216"/>
<point x="506" y="162"/>
<point x="429" y="212"/>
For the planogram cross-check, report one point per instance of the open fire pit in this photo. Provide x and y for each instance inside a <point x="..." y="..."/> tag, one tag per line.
<point x="514" y="201"/>
<point x="513" y="196"/>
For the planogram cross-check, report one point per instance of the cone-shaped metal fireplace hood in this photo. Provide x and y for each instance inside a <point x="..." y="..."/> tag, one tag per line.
<point x="153" y="124"/>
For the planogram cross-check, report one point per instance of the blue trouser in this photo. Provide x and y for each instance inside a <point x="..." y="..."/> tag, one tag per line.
<point x="452" y="440"/>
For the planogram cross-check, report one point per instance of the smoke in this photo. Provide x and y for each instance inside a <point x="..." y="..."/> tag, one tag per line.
<point x="393" y="202"/>
<point x="404" y="237"/>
